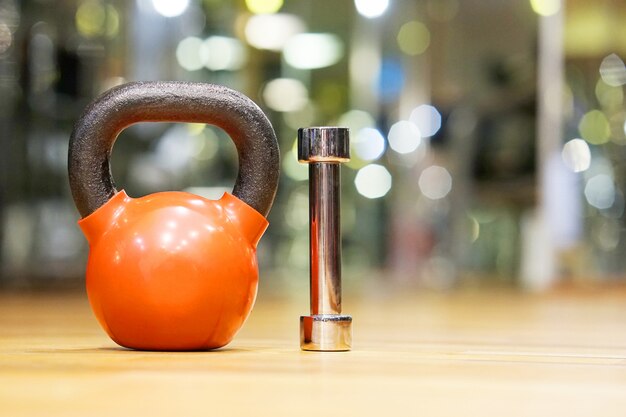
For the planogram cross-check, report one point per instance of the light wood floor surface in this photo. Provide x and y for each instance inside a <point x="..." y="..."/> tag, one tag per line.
<point x="481" y="354"/>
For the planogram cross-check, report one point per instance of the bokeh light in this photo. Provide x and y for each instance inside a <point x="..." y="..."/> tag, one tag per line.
<point x="373" y="181"/>
<point x="610" y="97"/>
<point x="5" y="37"/>
<point x="606" y="233"/>
<point x="618" y="136"/>
<point x="264" y="6"/>
<point x="285" y="94"/>
<point x="546" y="7"/>
<point x="90" y="18"/>
<point x="427" y="119"/>
<point x="94" y="18"/>
<point x="302" y="117"/>
<point x="294" y="169"/>
<point x="175" y="148"/>
<point x="404" y="137"/>
<point x="207" y="142"/>
<point x="435" y="182"/>
<point x="600" y="191"/>
<point x="43" y="56"/>
<point x="371" y="8"/>
<point x="613" y="71"/>
<point x="110" y="82"/>
<point x="377" y="72"/>
<point x="364" y="64"/>
<point x="215" y="53"/>
<point x="369" y="144"/>
<point x="356" y="120"/>
<point x="474" y="228"/>
<point x="112" y="25"/>
<point x="391" y="79"/>
<point x="313" y="50"/>
<point x="272" y="31"/>
<point x="170" y="8"/>
<point x="223" y="53"/>
<point x="594" y="127"/>
<point x="413" y="38"/>
<point x="576" y="155"/>
<point x="297" y="213"/>
<point x="189" y="53"/>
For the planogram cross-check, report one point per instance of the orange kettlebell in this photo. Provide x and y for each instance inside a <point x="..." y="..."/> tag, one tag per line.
<point x="172" y="270"/>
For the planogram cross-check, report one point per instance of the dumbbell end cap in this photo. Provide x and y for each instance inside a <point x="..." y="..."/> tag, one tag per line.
<point x="326" y="333"/>
<point x="323" y="144"/>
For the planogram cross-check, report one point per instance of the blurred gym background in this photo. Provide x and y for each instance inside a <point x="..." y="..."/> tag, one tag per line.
<point x="488" y="136"/>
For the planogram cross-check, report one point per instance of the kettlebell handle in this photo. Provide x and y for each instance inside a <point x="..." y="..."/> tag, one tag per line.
<point x="97" y="129"/>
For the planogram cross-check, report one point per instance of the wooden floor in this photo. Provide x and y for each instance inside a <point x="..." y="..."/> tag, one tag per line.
<point x="483" y="354"/>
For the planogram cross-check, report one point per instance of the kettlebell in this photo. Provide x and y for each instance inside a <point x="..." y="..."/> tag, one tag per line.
<point x="172" y="270"/>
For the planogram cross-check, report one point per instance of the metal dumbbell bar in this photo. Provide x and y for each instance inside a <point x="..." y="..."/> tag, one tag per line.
<point x="324" y="149"/>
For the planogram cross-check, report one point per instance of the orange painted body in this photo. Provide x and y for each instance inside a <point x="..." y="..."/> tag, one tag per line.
<point x="172" y="271"/>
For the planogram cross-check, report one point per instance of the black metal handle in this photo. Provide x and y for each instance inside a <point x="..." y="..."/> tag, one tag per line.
<point x="170" y="101"/>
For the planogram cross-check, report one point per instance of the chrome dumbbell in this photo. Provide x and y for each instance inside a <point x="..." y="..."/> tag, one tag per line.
<point x="324" y="149"/>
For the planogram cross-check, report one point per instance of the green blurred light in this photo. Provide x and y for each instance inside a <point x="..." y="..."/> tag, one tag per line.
<point x="297" y="213"/>
<point x="285" y="94"/>
<point x="413" y="38"/>
<point x="545" y="7"/>
<point x="609" y="96"/>
<point x="594" y="127"/>
<point x="264" y="6"/>
<point x="294" y="169"/>
<point x="303" y="117"/>
<point x="474" y="229"/>
<point x="94" y="18"/>
<point x="90" y="18"/>
<point x="112" y="24"/>
<point x="195" y="129"/>
<point x="206" y="141"/>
